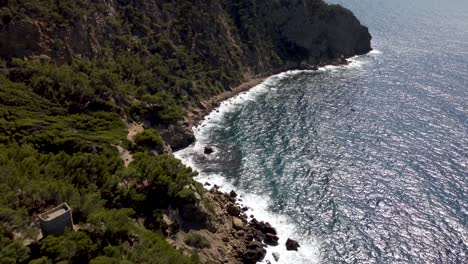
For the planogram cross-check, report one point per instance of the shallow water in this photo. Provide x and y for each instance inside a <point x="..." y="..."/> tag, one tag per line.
<point x="366" y="163"/>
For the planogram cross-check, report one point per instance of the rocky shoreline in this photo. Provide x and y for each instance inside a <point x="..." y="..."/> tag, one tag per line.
<point x="181" y="136"/>
<point x="233" y="236"/>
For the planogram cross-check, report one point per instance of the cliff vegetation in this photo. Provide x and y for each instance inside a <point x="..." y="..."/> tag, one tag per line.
<point x="75" y="73"/>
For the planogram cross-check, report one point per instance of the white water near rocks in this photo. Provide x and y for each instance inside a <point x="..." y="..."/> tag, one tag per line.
<point x="366" y="163"/>
<point x="259" y="205"/>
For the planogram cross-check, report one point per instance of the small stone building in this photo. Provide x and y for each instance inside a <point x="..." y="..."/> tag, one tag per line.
<point x="54" y="221"/>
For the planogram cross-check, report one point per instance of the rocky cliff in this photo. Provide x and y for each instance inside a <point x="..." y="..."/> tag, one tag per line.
<point x="74" y="74"/>
<point x="247" y="36"/>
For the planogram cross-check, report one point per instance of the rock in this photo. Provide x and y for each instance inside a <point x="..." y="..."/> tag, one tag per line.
<point x="207" y="184"/>
<point x="271" y="240"/>
<point x="196" y="215"/>
<point x="237" y="223"/>
<point x="267" y="228"/>
<point x="233" y="194"/>
<point x="268" y="262"/>
<point x="292" y="244"/>
<point x="245" y="208"/>
<point x="276" y="256"/>
<point x="254" y="256"/>
<point x="233" y="210"/>
<point x="254" y="253"/>
<point x="254" y="245"/>
<point x="203" y="106"/>
<point x="262" y="226"/>
<point x="208" y="150"/>
<point x="178" y="137"/>
<point x="258" y="235"/>
<point x="214" y="189"/>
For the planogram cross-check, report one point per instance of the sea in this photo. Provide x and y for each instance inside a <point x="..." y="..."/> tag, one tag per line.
<point x="364" y="163"/>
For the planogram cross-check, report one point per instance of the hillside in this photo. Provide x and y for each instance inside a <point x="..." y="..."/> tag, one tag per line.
<point x="75" y="73"/>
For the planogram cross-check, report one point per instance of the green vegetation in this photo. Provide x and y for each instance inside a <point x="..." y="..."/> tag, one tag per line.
<point x="64" y="102"/>
<point x="59" y="124"/>
<point x="149" y="139"/>
<point x="196" y="240"/>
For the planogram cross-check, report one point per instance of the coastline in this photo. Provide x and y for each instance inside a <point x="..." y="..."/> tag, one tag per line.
<point x="236" y="240"/>
<point x="196" y="114"/>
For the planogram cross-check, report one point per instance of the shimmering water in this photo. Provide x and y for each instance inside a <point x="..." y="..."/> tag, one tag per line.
<point x="366" y="163"/>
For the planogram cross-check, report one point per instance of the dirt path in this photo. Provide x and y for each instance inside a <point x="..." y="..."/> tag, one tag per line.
<point x="133" y="129"/>
<point x="124" y="154"/>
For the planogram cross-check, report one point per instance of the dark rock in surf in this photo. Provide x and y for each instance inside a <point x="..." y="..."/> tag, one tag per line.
<point x="271" y="240"/>
<point x="292" y="244"/>
<point x="208" y="150"/>
<point x="233" y="194"/>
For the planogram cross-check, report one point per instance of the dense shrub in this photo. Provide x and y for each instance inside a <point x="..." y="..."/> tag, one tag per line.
<point x="149" y="139"/>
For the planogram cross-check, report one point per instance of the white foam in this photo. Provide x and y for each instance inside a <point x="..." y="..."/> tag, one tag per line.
<point x="259" y="207"/>
<point x="374" y="51"/>
<point x="309" y="250"/>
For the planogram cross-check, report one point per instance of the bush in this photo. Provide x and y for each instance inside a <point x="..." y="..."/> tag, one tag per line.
<point x="196" y="240"/>
<point x="149" y="139"/>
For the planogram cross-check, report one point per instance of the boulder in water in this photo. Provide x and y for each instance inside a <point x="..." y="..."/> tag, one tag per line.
<point x="292" y="244"/>
<point x="276" y="256"/>
<point x="233" y="194"/>
<point x="271" y="240"/>
<point x="208" y="150"/>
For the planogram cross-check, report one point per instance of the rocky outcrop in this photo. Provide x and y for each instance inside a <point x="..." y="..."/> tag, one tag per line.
<point x="178" y="137"/>
<point x="292" y="244"/>
<point x="233" y="239"/>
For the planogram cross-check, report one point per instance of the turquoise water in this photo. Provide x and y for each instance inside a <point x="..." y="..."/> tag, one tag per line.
<point x="362" y="164"/>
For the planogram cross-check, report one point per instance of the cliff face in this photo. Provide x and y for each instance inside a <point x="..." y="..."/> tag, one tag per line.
<point x="246" y="36"/>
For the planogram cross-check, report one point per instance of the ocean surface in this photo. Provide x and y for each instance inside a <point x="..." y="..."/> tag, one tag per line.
<point x="365" y="163"/>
